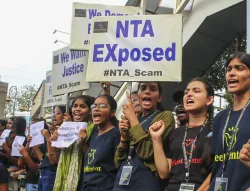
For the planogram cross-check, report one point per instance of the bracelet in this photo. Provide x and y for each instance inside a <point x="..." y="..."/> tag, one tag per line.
<point x="51" y="153"/>
<point x="124" y="140"/>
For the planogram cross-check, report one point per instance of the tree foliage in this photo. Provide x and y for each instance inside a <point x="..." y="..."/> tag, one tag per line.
<point x="24" y="97"/>
<point x="216" y="73"/>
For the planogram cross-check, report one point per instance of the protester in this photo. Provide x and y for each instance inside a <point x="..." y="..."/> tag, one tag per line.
<point x="10" y="123"/>
<point x="231" y="129"/>
<point x="99" y="168"/>
<point x="3" y="124"/>
<point x="182" y="116"/>
<point x="139" y="165"/>
<point x="59" y="112"/>
<point x="4" y="178"/>
<point x="187" y="158"/>
<point x="46" y="155"/>
<point x="18" y="127"/>
<point x="71" y="158"/>
<point x="30" y="163"/>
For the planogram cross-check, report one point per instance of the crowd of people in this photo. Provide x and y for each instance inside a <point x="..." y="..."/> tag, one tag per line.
<point x="145" y="150"/>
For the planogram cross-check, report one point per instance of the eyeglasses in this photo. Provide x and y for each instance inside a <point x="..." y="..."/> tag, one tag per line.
<point x="133" y="100"/>
<point x="100" y="106"/>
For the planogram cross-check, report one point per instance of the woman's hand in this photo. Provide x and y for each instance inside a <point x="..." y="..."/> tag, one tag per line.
<point x="5" y="146"/>
<point x="245" y="154"/>
<point x="124" y="126"/>
<point x="129" y="113"/>
<point x="22" y="150"/>
<point x="29" y="138"/>
<point x="46" y="134"/>
<point x="54" y="137"/>
<point x="157" y="129"/>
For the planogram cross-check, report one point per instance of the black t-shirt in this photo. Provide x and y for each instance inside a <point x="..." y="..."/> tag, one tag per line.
<point x="99" y="168"/>
<point x="142" y="179"/>
<point x="237" y="173"/>
<point x="4" y="175"/>
<point x="45" y="162"/>
<point x="4" y="160"/>
<point x="174" y="151"/>
<point x="32" y="177"/>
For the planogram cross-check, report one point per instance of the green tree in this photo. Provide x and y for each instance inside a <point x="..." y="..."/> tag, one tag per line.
<point x="216" y="73"/>
<point x="8" y="110"/>
<point x="25" y="96"/>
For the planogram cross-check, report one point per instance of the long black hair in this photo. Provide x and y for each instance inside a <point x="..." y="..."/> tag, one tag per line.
<point x="19" y="126"/>
<point x="206" y="158"/>
<point x="88" y="100"/>
<point x="113" y="107"/>
<point x="160" y="89"/>
<point x="241" y="56"/>
<point x="62" y="108"/>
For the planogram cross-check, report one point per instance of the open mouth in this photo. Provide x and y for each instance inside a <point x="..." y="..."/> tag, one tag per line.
<point x="77" y="116"/>
<point x="232" y="82"/>
<point x="190" y="102"/>
<point x="146" y="101"/>
<point x="96" y="116"/>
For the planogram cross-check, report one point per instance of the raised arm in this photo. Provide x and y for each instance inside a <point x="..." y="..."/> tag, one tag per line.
<point x="162" y="163"/>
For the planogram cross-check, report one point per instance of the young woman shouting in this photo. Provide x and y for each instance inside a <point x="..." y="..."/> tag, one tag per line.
<point x="187" y="161"/>
<point x="135" y="156"/>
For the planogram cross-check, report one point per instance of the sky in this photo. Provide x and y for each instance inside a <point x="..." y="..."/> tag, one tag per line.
<point x="27" y="39"/>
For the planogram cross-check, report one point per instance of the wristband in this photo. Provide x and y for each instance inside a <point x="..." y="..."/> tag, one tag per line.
<point x="124" y="140"/>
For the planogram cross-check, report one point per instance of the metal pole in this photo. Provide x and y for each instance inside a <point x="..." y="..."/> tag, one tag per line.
<point x="248" y="26"/>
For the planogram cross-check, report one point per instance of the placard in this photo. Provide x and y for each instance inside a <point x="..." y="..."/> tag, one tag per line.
<point x="35" y="133"/>
<point x="82" y="16"/>
<point x="50" y="101"/>
<point x="68" y="134"/>
<point x="69" y="71"/>
<point x="19" y="140"/>
<point x="136" y="48"/>
<point x="4" y="134"/>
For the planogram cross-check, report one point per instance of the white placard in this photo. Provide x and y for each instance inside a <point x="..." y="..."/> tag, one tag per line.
<point x="5" y="134"/>
<point x="50" y="101"/>
<point x="68" y="134"/>
<point x="69" y="71"/>
<point x="136" y="48"/>
<point x="82" y="16"/>
<point x="35" y="133"/>
<point x="19" y="140"/>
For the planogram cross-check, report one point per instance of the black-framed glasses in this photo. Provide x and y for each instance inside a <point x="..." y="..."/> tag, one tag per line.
<point x="100" y="106"/>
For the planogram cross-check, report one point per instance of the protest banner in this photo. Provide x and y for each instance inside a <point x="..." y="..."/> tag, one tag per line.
<point x="69" y="71"/>
<point x="50" y="101"/>
<point x="136" y="48"/>
<point x="35" y="133"/>
<point x="19" y="140"/>
<point x="82" y="16"/>
<point x="68" y="134"/>
<point x="5" y="134"/>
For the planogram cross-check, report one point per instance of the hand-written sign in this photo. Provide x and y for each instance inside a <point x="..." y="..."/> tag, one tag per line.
<point x="68" y="134"/>
<point x="35" y="133"/>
